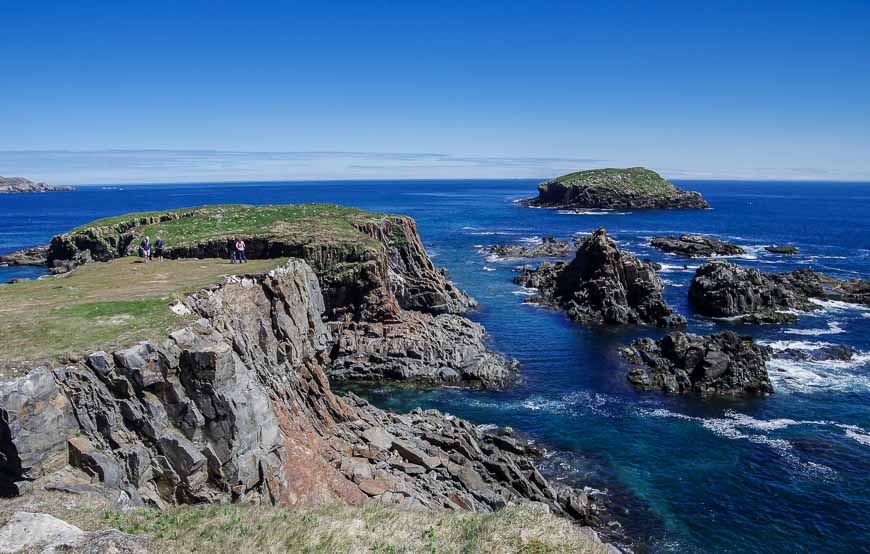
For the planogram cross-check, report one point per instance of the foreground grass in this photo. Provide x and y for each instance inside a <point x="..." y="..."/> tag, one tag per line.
<point x="633" y="179"/>
<point x="103" y="305"/>
<point x="305" y="223"/>
<point x="370" y="528"/>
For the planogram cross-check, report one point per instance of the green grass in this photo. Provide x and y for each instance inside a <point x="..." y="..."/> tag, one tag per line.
<point x="305" y="223"/>
<point x="633" y="179"/>
<point x="336" y="528"/>
<point x="103" y="305"/>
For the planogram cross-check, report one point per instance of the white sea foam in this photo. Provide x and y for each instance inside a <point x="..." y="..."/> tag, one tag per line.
<point x="806" y="376"/>
<point x="780" y="345"/>
<point x="670" y="268"/>
<point x="590" y="212"/>
<point x="495" y="258"/>
<point x="525" y="291"/>
<point x="532" y="240"/>
<point x="737" y="426"/>
<point x="487" y="268"/>
<point x="833" y="328"/>
<point x="839" y="306"/>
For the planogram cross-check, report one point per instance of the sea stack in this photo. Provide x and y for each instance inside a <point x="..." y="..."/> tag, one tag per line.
<point x="630" y="188"/>
<point x="603" y="286"/>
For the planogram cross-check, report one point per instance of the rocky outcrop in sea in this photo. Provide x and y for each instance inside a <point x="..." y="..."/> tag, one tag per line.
<point x="550" y="247"/>
<point x="602" y="286"/>
<point x="692" y="246"/>
<point x="631" y="188"/>
<point x="36" y="256"/>
<point x="11" y="185"/>
<point x="747" y="295"/>
<point x="718" y="364"/>
<point x="237" y="407"/>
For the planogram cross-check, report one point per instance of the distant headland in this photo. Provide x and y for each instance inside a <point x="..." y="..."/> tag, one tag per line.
<point x="9" y="185"/>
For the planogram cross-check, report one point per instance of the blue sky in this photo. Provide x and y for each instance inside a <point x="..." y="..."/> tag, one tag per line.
<point x="187" y="91"/>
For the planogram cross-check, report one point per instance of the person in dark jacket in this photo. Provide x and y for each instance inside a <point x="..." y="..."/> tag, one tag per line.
<point x="231" y="246"/>
<point x="158" y="249"/>
<point x="145" y="249"/>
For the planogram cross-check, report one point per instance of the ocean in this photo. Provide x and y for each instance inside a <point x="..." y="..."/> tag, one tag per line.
<point x="786" y="473"/>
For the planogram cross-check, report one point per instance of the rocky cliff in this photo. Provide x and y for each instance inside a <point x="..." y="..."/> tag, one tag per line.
<point x="631" y="188"/>
<point x="718" y="364"/>
<point x="603" y="285"/>
<point x="379" y="285"/>
<point x="236" y="407"/>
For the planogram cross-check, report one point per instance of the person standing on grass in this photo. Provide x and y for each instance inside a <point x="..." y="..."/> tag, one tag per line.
<point x="158" y="249"/>
<point x="145" y="249"/>
<point x="231" y="246"/>
<point x="240" y="251"/>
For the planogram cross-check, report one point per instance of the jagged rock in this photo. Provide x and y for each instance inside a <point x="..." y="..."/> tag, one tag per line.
<point x="631" y="188"/>
<point x="718" y="364"/>
<point x="603" y="285"/>
<point x="723" y="289"/>
<point x="695" y="246"/>
<point x="35" y="420"/>
<point x="836" y="352"/>
<point x="27" y="531"/>
<point x="419" y="347"/>
<point x="37" y="255"/>
<point x="852" y="290"/>
<point x="550" y="247"/>
<point x="786" y="250"/>
<point x="9" y="185"/>
<point x="243" y="412"/>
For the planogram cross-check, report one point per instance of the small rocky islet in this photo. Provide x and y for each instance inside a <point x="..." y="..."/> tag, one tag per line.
<point x="614" y="188"/>
<point x="234" y="404"/>
<point x="695" y="246"/>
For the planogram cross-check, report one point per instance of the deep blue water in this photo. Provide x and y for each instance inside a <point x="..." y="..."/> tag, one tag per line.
<point x="781" y="474"/>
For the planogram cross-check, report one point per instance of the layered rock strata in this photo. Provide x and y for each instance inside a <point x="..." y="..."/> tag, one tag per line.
<point x="603" y="286"/>
<point x="719" y="364"/>
<point x="237" y="408"/>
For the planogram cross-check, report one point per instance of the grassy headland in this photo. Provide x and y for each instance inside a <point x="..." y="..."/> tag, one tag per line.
<point x="103" y="305"/>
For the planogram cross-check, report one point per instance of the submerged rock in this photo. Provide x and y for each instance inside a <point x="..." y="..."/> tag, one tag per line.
<point x="603" y="285"/>
<point x="787" y="250"/>
<point x="834" y="352"/>
<point x="631" y="188"/>
<point x="696" y="246"/>
<point x="719" y="364"/>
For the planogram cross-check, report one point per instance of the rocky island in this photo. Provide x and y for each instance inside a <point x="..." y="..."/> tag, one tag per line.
<point x="718" y="364"/>
<point x="9" y="185"/>
<point x="695" y="246"/>
<point x="631" y="188"/>
<point x="191" y="381"/>
<point x="602" y="286"/>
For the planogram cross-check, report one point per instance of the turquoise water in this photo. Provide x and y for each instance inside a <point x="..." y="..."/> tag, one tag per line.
<point x="781" y="474"/>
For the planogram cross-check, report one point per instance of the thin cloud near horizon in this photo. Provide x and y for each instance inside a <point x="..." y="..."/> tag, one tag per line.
<point x="122" y="166"/>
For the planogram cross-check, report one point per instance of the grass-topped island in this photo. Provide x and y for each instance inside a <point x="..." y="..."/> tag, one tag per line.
<point x="614" y="188"/>
<point x="131" y="388"/>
